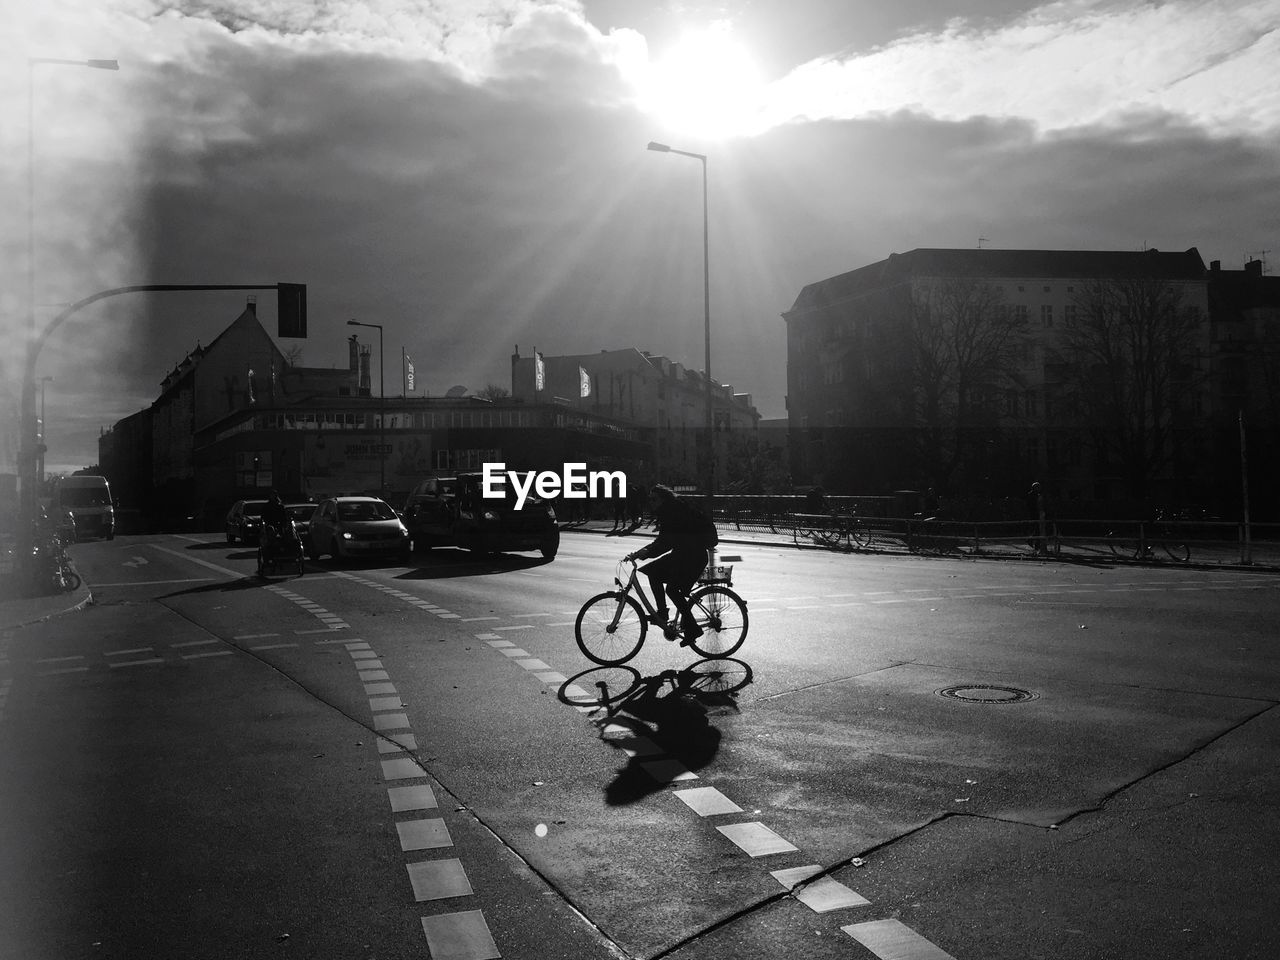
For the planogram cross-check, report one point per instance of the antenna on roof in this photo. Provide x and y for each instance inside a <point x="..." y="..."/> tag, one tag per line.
<point x="981" y="241"/>
<point x="1259" y="255"/>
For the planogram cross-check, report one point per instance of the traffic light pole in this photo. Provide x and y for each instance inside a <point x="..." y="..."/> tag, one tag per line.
<point x="292" y="299"/>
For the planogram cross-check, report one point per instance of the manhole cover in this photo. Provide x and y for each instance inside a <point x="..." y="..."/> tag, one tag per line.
<point x="986" y="694"/>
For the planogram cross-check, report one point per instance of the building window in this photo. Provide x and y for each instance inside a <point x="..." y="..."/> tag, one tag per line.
<point x="1020" y="312"/>
<point x="1046" y="314"/>
<point x="1069" y="313"/>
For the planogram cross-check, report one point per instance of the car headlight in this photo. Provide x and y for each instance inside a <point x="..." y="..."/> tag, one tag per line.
<point x="346" y="535"/>
<point x="491" y="516"/>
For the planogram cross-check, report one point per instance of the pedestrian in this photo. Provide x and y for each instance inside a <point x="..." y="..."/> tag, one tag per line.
<point x="637" y="495"/>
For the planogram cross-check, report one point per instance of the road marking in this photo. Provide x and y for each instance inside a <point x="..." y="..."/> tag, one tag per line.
<point x="417" y="796"/>
<point x="514" y="652"/>
<point x="478" y="619"/>
<point x="822" y="895"/>
<point x="438" y="880"/>
<point x="153" y="583"/>
<point x="707" y="801"/>
<point x="380" y="704"/>
<point x="390" y="721"/>
<point x="211" y="653"/>
<point x="460" y="936"/>
<point x="894" y="940"/>
<point x="272" y="646"/>
<point x="398" y="742"/>
<point x="401" y="768"/>
<point x="756" y="840"/>
<point x="191" y="643"/>
<point x="135" y="663"/>
<point x="516" y="626"/>
<point x="426" y="834"/>
<point x="118" y="653"/>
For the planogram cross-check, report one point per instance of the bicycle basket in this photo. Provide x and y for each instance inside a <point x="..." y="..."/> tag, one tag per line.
<point x="718" y="573"/>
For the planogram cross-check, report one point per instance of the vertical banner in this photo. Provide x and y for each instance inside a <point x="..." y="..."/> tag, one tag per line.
<point x="408" y="372"/>
<point x="584" y="382"/>
<point x="252" y="398"/>
<point x="539" y="372"/>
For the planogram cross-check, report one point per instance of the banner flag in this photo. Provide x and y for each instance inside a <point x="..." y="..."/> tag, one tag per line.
<point x="408" y="373"/>
<point x="584" y="381"/>
<point x="539" y="372"/>
<point x="252" y="398"/>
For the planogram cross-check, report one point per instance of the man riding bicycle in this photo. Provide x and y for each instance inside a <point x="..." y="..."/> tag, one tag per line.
<point x="684" y="537"/>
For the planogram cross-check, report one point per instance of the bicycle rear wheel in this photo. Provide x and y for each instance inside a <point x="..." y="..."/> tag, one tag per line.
<point x="1177" y="551"/>
<point x="723" y="618"/>
<point x="859" y="535"/>
<point x="610" y="628"/>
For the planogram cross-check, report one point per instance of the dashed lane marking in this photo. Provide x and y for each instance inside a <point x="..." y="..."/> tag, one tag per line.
<point x="894" y="940"/>
<point x="462" y="935"/>
<point x="822" y="895"/>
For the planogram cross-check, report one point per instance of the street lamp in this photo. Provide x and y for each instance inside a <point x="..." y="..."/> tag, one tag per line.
<point x="706" y="307"/>
<point x="41" y="446"/>
<point x="382" y="413"/>
<point x="28" y="454"/>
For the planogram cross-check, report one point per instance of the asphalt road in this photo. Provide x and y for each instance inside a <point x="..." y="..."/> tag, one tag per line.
<point x="378" y="761"/>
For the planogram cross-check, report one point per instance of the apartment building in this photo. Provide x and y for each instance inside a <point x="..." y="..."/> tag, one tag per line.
<point x="978" y="371"/>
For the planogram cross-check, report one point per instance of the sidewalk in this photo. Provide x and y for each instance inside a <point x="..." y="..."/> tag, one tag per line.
<point x="1071" y="552"/>
<point x="16" y="611"/>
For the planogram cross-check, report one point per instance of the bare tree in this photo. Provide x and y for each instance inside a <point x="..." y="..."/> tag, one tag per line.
<point x="493" y="391"/>
<point x="1130" y="349"/>
<point x="293" y="356"/>
<point x="964" y="346"/>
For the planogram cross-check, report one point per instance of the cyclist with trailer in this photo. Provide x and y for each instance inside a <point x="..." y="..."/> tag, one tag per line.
<point x="685" y="535"/>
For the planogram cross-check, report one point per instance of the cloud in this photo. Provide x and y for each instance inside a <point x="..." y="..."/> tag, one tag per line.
<point x="1067" y="64"/>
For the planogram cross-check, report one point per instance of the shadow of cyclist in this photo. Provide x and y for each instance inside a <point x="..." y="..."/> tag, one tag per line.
<point x="664" y="724"/>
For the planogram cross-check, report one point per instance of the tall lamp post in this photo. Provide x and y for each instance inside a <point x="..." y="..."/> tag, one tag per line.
<point x="706" y="308"/>
<point x="28" y="446"/>
<point x="41" y="446"/>
<point x="382" y="413"/>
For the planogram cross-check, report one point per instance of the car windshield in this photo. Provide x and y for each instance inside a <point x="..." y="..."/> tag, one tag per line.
<point x="365" y="510"/>
<point x="83" y="496"/>
<point x="254" y="508"/>
<point x="301" y="511"/>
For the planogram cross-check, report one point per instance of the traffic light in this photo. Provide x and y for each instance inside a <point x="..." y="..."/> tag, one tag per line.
<point x="291" y="310"/>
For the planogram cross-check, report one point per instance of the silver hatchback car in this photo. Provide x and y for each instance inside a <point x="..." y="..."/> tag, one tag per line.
<point x="353" y="527"/>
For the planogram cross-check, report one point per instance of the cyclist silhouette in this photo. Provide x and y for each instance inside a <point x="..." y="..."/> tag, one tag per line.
<point x="681" y="551"/>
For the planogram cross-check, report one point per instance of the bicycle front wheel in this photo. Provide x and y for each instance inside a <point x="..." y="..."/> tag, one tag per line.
<point x="1177" y="551"/>
<point x="723" y="618"/>
<point x="610" y="628"/>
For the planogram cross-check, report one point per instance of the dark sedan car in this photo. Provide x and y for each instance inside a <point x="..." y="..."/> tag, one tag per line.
<point x="244" y="521"/>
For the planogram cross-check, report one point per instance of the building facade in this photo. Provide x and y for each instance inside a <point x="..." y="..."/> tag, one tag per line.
<point x="1103" y="374"/>
<point x="664" y="401"/>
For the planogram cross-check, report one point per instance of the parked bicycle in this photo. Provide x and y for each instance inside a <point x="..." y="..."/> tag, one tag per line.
<point x="1161" y="533"/>
<point x="611" y="626"/>
<point x="830" y="530"/>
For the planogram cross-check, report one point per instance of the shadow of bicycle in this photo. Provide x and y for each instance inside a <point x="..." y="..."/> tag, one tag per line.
<point x="661" y="722"/>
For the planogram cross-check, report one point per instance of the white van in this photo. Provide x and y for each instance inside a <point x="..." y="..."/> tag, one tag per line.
<point x="89" y="501"/>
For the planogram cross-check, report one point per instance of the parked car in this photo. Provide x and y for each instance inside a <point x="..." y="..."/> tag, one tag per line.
<point x="244" y="521"/>
<point x="349" y="527"/>
<point x="451" y="511"/>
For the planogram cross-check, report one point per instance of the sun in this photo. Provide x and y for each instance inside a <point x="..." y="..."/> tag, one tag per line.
<point x="707" y="85"/>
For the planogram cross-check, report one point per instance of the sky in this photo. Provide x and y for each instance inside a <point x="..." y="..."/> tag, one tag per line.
<point x="473" y="174"/>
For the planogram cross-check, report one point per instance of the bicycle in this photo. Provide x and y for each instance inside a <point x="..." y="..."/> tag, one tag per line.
<point x="611" y="626"/>
<point x="1141" y="549"/>
<point x="829" y="530"/>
